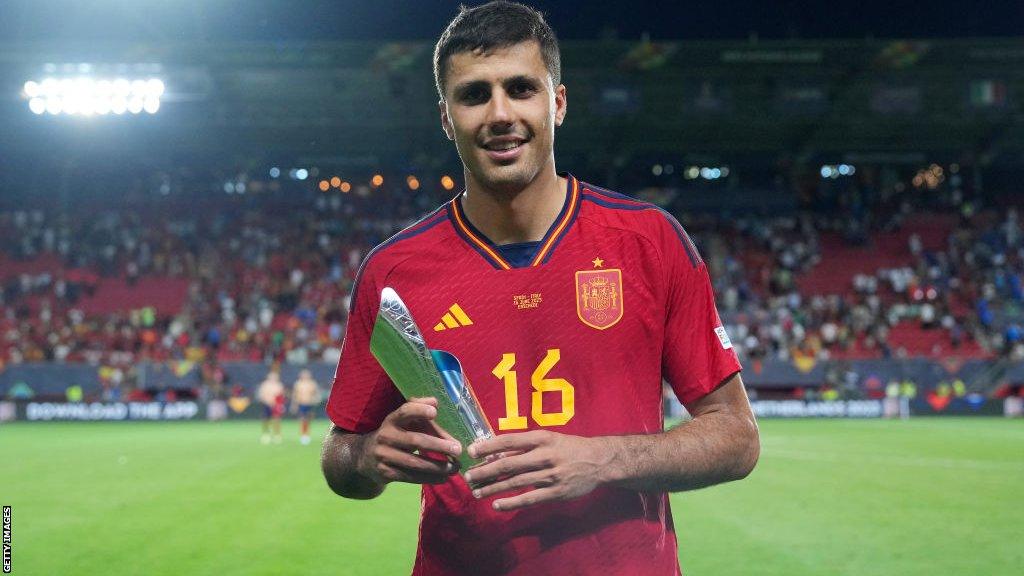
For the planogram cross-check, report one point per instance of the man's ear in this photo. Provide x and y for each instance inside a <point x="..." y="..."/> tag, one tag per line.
<point x="446" y="122"/>
<point x="561" y="104"/>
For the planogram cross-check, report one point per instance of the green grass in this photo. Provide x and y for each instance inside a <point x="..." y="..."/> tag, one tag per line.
<point x="925" y="496"/>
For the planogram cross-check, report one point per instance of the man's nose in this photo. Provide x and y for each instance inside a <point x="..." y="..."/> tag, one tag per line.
<point x="500" y="115"/>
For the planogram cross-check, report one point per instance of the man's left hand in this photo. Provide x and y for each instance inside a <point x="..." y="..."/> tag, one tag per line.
<point x="556" y="467"/>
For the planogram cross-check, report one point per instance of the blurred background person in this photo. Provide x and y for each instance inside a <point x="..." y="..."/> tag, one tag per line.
<point x="271" y="394"/>
<point x="305" y="397"/>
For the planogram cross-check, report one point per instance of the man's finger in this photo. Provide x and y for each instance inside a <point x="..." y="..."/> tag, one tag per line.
<point x="398" y="459"/>
<point x="521" y="441"/>
<point x="425" y="400"/>
<point x="539" y="479"/>
<point x="503" y="468"/>
<point x="411" y="412"/>
<point x="418" y="441"/>
<point x="531" y="498"/>
<point x="398" y="474"/>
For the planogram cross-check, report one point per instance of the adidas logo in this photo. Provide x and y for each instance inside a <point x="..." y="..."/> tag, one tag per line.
<point x="455" y="318"/>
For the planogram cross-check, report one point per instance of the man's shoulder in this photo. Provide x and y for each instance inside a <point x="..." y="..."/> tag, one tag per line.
<point x="604" y="205"/>
<point x="415" y="239"/>
<point x="616" y="210"/>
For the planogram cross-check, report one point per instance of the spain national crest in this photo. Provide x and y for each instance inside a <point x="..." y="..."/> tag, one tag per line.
<point x="599" y="297"/>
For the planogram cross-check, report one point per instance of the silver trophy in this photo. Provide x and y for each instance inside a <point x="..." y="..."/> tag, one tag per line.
<point x="419" y="372"/>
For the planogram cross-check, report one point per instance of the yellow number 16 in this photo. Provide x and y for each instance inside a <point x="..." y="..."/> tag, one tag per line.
<point x="541" y="384"/>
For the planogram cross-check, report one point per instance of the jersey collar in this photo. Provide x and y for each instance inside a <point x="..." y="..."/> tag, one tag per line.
<point x="483" y="245"/>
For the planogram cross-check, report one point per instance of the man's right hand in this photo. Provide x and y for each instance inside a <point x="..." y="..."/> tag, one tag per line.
<point x="395" y="452"/>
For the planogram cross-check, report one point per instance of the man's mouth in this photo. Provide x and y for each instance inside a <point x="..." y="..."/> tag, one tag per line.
<point x="504" y="150"/>
<point x="504" y="145"/>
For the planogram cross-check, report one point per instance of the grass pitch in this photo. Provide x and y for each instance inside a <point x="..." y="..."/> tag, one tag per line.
<point x="920" y="497"/>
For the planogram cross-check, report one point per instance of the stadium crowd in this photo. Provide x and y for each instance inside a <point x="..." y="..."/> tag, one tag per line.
<point x="266" y="279"/>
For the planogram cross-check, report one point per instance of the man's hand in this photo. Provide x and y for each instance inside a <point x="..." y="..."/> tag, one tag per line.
<point x="397" y="451"/>
<point x="554" y="466"/>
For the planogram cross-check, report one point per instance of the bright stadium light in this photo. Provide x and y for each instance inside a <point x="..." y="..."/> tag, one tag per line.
<point x="118" y="105"/>
<point x="136" y="104"/>
<point x="48" y="87"/>
<point x="155" y="87"/>
<point x="85" y="95"/>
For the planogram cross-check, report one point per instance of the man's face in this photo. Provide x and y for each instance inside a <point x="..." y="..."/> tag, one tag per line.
<point x="501" y="110"/>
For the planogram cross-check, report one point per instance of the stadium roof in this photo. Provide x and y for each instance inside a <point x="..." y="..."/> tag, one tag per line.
<point x="318" y="20"/>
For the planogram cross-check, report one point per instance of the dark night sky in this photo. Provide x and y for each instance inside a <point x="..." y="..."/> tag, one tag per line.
<point x="294" y="20"/>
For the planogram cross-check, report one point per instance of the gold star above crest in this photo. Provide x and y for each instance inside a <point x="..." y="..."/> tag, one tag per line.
<point x="598" y="263"/>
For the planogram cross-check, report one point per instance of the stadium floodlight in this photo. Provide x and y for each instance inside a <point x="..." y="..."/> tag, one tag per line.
<point x="87" y="96"/>
<point x="275" y="172"/>
<point x="136" y="104"/>
<point x="119" y="105"/>
<point x="302" y="174"/>
<point x="37" y="105"/>
<point x="155" y="87"/>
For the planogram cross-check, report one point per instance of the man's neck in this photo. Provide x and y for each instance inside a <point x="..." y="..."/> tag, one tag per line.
<point x="524" y="216"/>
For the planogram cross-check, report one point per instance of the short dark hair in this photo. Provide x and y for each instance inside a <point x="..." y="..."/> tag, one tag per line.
<point x="497" y="24"/>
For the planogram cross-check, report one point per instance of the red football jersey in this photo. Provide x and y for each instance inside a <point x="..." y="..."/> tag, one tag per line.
<point x="578" y="342"/>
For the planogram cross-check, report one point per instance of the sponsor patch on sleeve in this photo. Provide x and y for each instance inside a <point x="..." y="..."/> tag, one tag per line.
<point x="723" y="337"/>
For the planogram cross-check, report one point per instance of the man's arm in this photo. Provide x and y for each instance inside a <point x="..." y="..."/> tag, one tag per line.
<point x="339" y="461"/>
<point x="360" y="465"/>
<point x="720" y="444"/>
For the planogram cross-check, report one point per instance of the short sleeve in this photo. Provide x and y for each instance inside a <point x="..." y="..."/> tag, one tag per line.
<point x="697" y="354"/>
<point x="362" y="395"/>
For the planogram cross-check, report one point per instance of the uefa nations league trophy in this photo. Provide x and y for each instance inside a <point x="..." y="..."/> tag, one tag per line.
<point x="419" y="372"/>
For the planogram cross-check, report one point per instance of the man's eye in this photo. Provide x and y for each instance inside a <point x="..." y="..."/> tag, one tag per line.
<point x="474" y="95"/>
<point x="521" y="90"/>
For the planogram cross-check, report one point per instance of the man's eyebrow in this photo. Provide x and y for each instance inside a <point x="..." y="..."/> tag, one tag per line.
<point x="464" y="87"/>
<point x="467" y="86"/>
<point x="521" y="78"/>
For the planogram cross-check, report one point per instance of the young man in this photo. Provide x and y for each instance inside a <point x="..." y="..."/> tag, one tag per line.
<point x="305" y="397"/>
<point x="567" y="304"/>
<point x="271" y="395"/>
